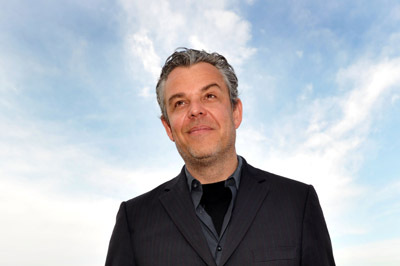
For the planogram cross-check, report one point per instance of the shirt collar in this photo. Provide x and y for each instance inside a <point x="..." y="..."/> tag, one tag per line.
<point x="235" y="177"/>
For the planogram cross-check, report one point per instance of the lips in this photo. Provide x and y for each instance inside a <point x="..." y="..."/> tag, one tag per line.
<point x="199" y="129"/>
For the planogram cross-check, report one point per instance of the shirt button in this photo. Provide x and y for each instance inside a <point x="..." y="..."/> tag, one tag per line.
<point x="219" y="248"/>
<point x="230" y="182"/>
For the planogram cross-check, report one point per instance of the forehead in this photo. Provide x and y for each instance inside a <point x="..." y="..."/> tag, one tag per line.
<point x="192" y="77"/>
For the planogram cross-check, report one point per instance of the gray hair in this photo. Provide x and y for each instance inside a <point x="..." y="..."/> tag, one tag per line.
<point x="188" y="57"/>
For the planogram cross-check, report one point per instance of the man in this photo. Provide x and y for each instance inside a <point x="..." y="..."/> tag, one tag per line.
<point x="219" y="210"/>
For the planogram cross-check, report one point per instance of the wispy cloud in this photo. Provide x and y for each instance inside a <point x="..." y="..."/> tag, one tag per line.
<point x="60" y="197"/>
<point x="142" y="47"/>
<point x="370" y="254"/>
<point x="52" y="229"/>
<point x="322" y="144"/>
<point x="155" y="28"/>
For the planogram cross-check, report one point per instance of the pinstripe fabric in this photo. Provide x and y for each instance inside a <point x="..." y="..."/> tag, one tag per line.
<point x="276" y="221"/>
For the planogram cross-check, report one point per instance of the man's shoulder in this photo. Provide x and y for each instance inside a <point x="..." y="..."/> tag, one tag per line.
<point x="154" y="194"/>
<point x="283" y="191"/>
<point x="275" y="181"/>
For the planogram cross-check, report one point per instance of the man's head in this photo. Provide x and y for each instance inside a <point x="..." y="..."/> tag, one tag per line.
<point x="187" y="57"/>
<point x="201" y="110"/>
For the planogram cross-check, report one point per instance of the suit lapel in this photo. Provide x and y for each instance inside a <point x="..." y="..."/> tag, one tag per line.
<point x="178" y="204"/>
<point x="252" y="191"/>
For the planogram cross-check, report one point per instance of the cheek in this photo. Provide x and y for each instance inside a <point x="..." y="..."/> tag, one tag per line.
<point x="227" y="117"/>
<point x="176" y="126"/>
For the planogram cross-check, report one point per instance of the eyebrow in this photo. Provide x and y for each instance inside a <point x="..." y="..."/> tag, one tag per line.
<point x="180" y="94"/>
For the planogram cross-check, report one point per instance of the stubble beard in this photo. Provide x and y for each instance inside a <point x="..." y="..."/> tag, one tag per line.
<point x="199" y="158"/>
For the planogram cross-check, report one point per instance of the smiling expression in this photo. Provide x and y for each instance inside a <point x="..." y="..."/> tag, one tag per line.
<point x="202" y="121"/>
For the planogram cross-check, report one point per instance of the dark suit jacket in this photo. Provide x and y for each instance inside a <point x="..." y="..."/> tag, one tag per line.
<point x="275" y="221"/>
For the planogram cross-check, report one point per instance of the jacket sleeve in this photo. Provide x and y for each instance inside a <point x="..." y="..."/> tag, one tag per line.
<point x="316" y="243"/>
<point x="120" y="249"/>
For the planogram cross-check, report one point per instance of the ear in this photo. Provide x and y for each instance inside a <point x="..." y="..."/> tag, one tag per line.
<point x="237" y="113"/>
<point x="167" y="128"/>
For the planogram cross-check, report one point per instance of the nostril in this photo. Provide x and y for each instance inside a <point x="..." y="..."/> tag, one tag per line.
<point x="194" y="114"/>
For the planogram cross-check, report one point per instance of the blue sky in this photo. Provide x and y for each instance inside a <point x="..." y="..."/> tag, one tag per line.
<point x="79" y="127"/>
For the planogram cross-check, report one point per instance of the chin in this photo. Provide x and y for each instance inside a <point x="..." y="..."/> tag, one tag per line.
<point x="202" y="155"/>
<point x="197" y="156"/>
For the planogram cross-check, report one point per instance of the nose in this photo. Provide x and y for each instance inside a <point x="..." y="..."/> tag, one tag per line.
<point x="196" y="110"/>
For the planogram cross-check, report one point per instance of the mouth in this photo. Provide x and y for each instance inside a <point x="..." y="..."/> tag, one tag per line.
<point x="199" y="129"/>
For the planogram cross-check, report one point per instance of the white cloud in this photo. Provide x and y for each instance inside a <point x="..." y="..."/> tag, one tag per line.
<point x="51" y="229"/>
<point x="384" y="252"/>
<point x="35" y="150"/>
<point x="322" y="143"/>
<point x="142" y="47"/>
<point x="371" y="82"/>
<point x="155" y="28"/>
<point x="58" y="197"/>
<point x="45" y="207"/>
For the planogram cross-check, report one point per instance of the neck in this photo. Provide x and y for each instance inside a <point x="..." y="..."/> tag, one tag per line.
<point x="212" y="170"/>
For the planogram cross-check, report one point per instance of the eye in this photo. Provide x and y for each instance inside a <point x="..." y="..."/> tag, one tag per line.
<point x="210" y="96"/>
<point x="179" y="103"/>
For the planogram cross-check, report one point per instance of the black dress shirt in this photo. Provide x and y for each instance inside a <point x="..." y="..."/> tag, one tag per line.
<point x="214" y="239"/>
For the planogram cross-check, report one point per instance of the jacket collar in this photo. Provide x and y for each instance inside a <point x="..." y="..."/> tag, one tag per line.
<point x="253" y="190"/>
<point x="178" y="204"/>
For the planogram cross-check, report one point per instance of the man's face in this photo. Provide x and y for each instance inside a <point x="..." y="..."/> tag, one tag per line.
<point x="202" y="121"/>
